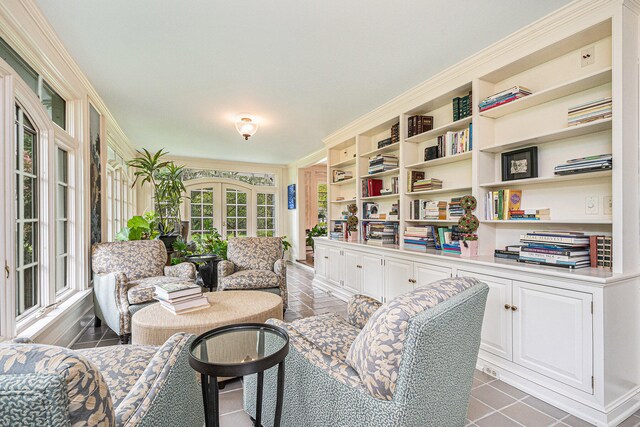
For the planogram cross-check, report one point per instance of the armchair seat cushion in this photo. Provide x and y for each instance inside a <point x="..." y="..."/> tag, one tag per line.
<point x="329" y="332"/>
<point x="141" y="290"/>
<point x="251" y="279"/>
<point x="121" y="366"/>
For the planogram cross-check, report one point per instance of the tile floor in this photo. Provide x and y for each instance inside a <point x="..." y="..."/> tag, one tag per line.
<point x="493" y="403"/>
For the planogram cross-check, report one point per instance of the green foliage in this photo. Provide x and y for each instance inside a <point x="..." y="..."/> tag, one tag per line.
<point x="138" y="228"/>
<point x="317" y="231"/>
<point x="285" y="244"/>
<point x="210" y="243"/>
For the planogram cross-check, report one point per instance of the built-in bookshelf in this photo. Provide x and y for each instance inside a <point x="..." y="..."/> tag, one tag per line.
<point x="557" y="81"/>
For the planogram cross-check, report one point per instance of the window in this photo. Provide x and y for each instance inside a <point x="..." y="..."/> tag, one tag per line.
<point x="266" y="212"/>
<point x="27" y="223"/>
<point x="62" y="220"/>
<point x="120" y="195"/>
<point x="201" y="210"/>
<point x="322" y="203"/>
<point x="21" y="67"/>
<point x="54" y="104"/>
<point x="236" y="213"/>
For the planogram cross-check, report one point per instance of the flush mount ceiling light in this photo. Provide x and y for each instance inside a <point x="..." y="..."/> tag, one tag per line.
<point x="246" y="125"/>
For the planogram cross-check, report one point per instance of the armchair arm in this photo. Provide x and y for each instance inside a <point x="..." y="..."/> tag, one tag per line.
<point x="360" y="309"/>
<point x="280" y="268"/>
<point x="110" y="301"/>
<point x="184" y="270"/>
<point x="167" y="392"/>
<point x="226" y="268"/>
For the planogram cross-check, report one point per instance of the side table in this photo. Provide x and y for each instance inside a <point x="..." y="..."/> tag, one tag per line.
<point x="271" y="349"/>
<point x="207" y="266"/>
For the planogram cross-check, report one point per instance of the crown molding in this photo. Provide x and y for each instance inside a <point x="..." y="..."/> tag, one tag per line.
<point x="633" y="5"/>
<point x="577" y="14"/>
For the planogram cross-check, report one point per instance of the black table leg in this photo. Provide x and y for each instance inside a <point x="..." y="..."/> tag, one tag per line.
<point x="210" y="397"/>
<point x="279" y="394"/>
<point x="258" y="422"/>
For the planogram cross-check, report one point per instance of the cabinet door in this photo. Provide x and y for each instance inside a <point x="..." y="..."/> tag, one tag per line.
<point x="352" y="271"/>
<point x="320" y="258"/>
<point x="372" y="276"/>
<point x="426" y="274"/>
<point x="497" y="324"/>
<point x="398" y="277"/>
<point x="552" y="330"/>
<point x="334" y="266"/>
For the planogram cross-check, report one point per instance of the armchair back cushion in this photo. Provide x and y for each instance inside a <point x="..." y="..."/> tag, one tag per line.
<point x="254" y="253"/>
<point x="377" y="351"/>
<point x="137" y="259"/>
<point x="89" y="399"/>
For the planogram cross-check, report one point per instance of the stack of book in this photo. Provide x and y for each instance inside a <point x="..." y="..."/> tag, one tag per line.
<point x="426" y="184"/>
<point x="419" y="124"/>
<point x="339" y="175"/>
<point x="419" y="238"/>
<point x="385" y="142"/>
<point x="382" y="162"/>
<point x="338" y="231"/>
<point x="590" y="111"/>
<point x="450" y="239"/>
<point x="509" y="252"/>
<point x="395" y="133"/>
<point x="543" y="214"/>
<point x="180" y="298"/>
<point x="371" y="187"/>
<point x="462" y="107"/>
<point x="504" y="97"/>
<point x="585" y="165"/>
<point x="499" y="203"/>
<point x="455" y="209"/>
<point x="381" y="233"/>
<point x="567" y="249"/>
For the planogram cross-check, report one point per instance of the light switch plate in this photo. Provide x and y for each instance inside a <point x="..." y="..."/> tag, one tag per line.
<point x="607" y="204"/>
<point x="591" y="205"/>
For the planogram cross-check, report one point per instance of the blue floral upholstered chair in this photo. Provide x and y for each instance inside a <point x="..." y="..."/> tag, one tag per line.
<point x="409" y="362"/>
<point x="129" y="385"/>
<point x="124" y="277"/>
<point x="254" y="263"/>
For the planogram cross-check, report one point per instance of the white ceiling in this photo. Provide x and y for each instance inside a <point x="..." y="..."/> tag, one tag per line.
<point x="175" y="73"/>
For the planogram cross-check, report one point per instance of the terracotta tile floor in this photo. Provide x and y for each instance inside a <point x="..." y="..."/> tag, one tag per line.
<point x="493" y="403"/>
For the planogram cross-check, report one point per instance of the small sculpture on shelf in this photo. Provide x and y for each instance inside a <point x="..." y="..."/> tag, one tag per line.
<point x="468" y="224"/>
<point x="352" y="220"/>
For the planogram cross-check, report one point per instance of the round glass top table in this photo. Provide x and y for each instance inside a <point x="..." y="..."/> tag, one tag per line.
<point x="234" y="351"/>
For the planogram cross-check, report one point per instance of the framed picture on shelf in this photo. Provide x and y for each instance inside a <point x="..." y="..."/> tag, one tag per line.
<point x="520" y="164"/>
<point x="291" y="196"/>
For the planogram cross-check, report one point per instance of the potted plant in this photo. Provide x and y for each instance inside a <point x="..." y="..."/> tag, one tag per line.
<point x="468" y="224"/>
<point x="143" y="227"/>
<point x="317" y="231"/>
<point x="352" y="222"/>
<point x="165" y="178"/>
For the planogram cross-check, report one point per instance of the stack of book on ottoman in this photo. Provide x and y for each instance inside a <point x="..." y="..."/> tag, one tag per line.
<point x="181" y="297"/>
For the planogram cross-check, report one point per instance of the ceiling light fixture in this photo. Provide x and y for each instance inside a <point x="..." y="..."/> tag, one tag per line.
<point x="246" y="125"/>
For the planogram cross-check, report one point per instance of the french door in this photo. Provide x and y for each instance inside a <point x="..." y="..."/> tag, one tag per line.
<point x="236" y="212"/>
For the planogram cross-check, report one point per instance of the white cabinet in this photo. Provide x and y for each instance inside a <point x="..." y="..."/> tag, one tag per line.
<point x="334" y="266"/>
<point x="398" y="277"/>
<point x="552" y="331"/>
<point x="497" y="323"/>
<point x="352" y="264"/>
<point x="320" y="258"/>
<point x="372" y="276"/>
<point x="425" y="274"/>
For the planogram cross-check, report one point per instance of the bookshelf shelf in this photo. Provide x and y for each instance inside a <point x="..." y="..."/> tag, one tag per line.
<point x="383" y="196"/>
<point x="394" y="171"/>
<point x="379" y="220"/>
<point x="344" y="163"/>
<point x="388" y="149"/>
<point x="568" y="88"/>
<point x="343" y="201"/>
<point x="553" y="221"/>
<point x="569" y="132"/>
<point x="432" y="221"/>
<point x="439" y="191"/>
<point x="345" y="182"/>
<point x="426" y="136"/>
<point x="441" y="161"/>
<point x="548" y="179"/>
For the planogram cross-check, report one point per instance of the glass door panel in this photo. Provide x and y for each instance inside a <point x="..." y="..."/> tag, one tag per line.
<point x="236" y="213"/>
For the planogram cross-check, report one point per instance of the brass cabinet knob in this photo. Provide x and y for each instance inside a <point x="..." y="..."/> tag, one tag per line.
<point x="507" y="306"/>
<point x="514" y="308"/>
<point x="359" y="266"/>
<point x="326" y="257"/>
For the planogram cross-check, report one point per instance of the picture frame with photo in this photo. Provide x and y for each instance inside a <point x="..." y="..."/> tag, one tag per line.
<point x="520" y="164"/>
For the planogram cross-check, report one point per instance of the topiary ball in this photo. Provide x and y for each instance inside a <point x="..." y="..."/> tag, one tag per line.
<point x="468" y="203"/>
<point x="468" y="223"/>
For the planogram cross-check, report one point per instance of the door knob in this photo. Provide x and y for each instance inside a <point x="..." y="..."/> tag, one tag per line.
<point x="514" y="308"/>
<point x="507" y="306"/>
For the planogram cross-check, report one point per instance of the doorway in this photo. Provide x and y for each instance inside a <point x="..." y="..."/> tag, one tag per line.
<point x="314" y="204"/>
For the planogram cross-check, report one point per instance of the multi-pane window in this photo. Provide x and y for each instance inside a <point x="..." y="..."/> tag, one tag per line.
<point x="27" y="223"/>
<point x="236" y="213"/>
<point x="322" y="203"/>
<point x="266" y="213"/>
<point x="62" y="220"/>
<point x="201" y="210"/>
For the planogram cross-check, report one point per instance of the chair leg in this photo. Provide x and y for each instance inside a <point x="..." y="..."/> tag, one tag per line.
<point x="97" y="322"/>
<point x="124" y="339"/>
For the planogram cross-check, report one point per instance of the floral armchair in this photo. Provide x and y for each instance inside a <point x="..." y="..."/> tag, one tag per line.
<point x="135" y="386"/>
<point x="409" y="362"/>
<point x="124" y="278"/>
<point x="254" y="263"/>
